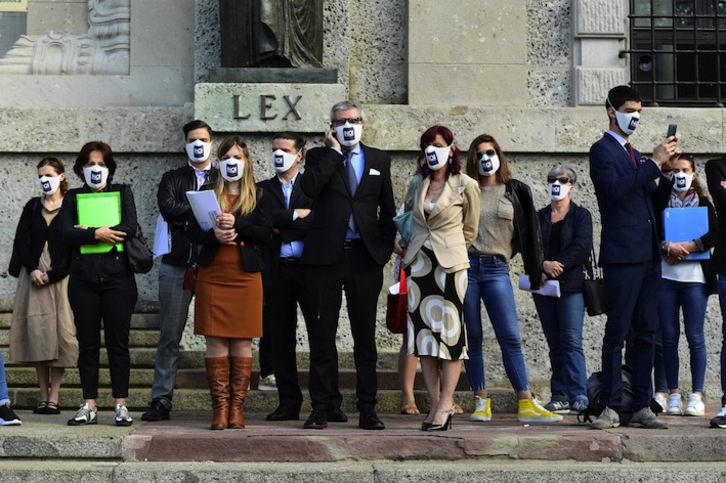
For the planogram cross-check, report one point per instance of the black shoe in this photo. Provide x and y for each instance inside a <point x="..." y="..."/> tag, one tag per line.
<point x="335" y="415"/>
<point x="159" y="411"/>
<point x="369" y="420"/>
<point x="317" y="420"/>
<point x="284" y="413"/>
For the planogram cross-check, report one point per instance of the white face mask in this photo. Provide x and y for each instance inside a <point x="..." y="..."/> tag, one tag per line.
<point x="682" y="181"/>
<point x="626" y="122"/>
<point x="232" y="169"/>
<point x="437" y="158"/>
<point x="349" y="135"/>
<point x="282" y="161"/>
<point x="95" y="176"/>
<point x="488" y="166"/>
<point x="558" y="191"/>
<point x="199" y="151"/>
<point x="49" y="184"/>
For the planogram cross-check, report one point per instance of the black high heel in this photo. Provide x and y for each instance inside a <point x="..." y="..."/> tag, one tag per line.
<point x="440" y="427"/>
<point x="424" y="425"/>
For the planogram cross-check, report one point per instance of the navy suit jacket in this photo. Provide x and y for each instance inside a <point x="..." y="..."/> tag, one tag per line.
<point x="625" y="197"/>
<point x="325" y="180"/>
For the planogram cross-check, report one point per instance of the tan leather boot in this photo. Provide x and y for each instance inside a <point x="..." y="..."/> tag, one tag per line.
<point x="240" y="372"/>
<point x="218" y="378"/>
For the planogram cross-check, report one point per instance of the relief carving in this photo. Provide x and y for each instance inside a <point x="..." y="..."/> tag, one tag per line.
<point x="104" y="49"/>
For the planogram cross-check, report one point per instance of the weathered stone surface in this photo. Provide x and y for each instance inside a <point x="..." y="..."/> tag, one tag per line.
<point x="600" y="17"/>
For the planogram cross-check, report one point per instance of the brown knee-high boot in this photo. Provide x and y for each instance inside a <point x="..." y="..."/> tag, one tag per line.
<point x="240" y="372"/>
<point x="218" y="377"/>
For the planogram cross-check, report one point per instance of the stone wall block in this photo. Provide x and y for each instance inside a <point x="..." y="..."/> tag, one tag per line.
<point x="600" y="18"/>
<point x="593" y="83"/>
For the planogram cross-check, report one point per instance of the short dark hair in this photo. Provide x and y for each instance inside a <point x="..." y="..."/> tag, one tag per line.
<point x="85" y="154"/>
<point x="617" y="96"/>
<point x="196" y="124"/>
<point x="299" y="140"/>
<point x="58" y="167"/>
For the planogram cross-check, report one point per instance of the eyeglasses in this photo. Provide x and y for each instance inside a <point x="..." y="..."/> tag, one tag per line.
<point x="488" y="152"/>
<point x="562" y="179"/>
<point x="351" y="120"/>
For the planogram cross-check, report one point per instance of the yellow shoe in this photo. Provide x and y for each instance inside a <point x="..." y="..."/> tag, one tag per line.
<point x="483" y="411"/>
<point x="530" y="411"/>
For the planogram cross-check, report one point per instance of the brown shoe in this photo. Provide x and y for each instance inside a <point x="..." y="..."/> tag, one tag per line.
<point x="218" y="378"/>
<point x="239" y="379"/>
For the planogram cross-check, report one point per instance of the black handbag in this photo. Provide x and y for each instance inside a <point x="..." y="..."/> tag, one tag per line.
<point x="141" y="259"/>
<point x="593" y="288"/>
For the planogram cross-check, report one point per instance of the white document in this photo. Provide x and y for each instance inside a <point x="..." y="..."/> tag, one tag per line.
<point x="162" y="238"/>
<point x="205" y="207"/>
<point x="551" y="288"/>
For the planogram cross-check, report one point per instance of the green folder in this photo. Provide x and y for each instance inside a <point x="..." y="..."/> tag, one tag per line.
<point x="96" y="210"/>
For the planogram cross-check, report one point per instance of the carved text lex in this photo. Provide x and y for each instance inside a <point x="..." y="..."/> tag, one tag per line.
<point x="268" y="107"/>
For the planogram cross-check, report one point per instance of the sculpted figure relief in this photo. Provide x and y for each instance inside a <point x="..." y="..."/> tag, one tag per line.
<point x="104" y="49"/>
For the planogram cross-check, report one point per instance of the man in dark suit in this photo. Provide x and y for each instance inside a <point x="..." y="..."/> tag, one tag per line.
<point x="290" y="209"/>
<point x="629" y="254"/>
<point x="350" y="241"/>
<point x="716" y="179"/>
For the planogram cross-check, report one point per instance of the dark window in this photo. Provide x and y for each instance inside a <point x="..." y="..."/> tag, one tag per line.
<point x="12" y="26"/>
<point x="678" y="51"/>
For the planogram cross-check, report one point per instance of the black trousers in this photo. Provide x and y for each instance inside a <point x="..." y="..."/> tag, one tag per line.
<point x="361" y="278"/>
<point x="112" y="301"/>
<point x="287" y="292"/>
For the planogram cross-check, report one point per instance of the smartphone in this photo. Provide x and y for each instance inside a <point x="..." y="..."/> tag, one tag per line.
<point x="672" y="128"/>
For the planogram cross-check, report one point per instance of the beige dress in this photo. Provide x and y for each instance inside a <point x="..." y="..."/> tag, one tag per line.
<point x="42" y="328"/>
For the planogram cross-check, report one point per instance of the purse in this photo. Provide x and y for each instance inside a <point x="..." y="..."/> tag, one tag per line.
<point x="593" y="288"/>
<point x="141" y="259"/>
<point x="404" y="221"/>
<point x="397" y="308"/>
<point x="190" y="278"/>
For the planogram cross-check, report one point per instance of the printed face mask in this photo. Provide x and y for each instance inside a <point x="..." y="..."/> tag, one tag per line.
<point x="232" y="169"/>
<point x="626" y="122"/>
<point x="349" y="135"/>
<point x="558" y="191"/>
<point x="436" y="158"/>
<point x="282" y="161"/>
<point x="199" y="151"/>
<point x="49" y="184"/>
<point x="488" y="166"/>
<point x="95" y="176"/>
<point x="682" y="181"/>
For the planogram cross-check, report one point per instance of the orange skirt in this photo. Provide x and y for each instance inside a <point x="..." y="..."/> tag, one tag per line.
<point x="228" y="300"/>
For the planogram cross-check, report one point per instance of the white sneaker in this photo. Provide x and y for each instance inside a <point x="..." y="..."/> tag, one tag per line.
<point x="695" y="405"/>
<point x="85" y="415"/>
<point x="675" y="405"/>
<point x="660" y="398"/>
<point x="121" y="416"/>
<point x="268" y="383"/>
<point x="720" y="420"/>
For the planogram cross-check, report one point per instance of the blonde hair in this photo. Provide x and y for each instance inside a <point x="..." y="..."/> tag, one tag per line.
<point x="247" y="200"/>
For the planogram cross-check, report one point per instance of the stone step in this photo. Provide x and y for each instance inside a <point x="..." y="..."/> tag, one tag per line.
<point x="141" y="357"/>
<point x="137" y="338"/>
<point x="503" y="400"/>
<point x="139" y="320"/>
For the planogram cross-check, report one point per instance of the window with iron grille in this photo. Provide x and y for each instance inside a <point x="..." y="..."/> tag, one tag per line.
<point x="678" y="51"/>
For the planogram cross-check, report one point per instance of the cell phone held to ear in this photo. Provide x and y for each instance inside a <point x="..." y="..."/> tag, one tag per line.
<point x="672" y="128"/>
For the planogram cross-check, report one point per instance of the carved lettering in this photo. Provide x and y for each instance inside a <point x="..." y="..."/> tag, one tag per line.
<point x="265" y="106"/>
<point x="292" y="109"/>
<point x="237" y="113"/>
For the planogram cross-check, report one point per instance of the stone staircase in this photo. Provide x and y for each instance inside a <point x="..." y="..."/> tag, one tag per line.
<point x="191" y="393"/>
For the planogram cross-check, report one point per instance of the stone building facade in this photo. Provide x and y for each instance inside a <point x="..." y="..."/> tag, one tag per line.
<point x="532" y="73"/>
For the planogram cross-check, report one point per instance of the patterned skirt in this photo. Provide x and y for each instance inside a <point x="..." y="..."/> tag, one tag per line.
<point x="435" y="303"/>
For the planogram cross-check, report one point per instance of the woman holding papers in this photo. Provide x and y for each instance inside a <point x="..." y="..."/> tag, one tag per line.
<point x="445" y="213"/>
<point x="95" y="220"/>
<point x="685" y="285"/>
<point x="567" y="242"/>
<point x="228" y="304"/>
<point x="42" y="330"/>
<point x="507" y="225"/>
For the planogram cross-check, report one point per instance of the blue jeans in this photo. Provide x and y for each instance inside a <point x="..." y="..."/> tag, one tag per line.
<point x="722" y="302"/>
<point x="173" y="310"/>
<point x="562" y="320"/>
<point x="489" y="281"/>
<point x="4" y="395"/>
<point x="693" y="298"/>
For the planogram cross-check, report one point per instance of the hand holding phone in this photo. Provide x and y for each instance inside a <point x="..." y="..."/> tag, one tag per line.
<point x="672" y="128"/>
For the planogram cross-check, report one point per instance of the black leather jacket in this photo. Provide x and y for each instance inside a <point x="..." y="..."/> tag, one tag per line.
<point x="527" y="238"/>
<point x="175" y="209"/>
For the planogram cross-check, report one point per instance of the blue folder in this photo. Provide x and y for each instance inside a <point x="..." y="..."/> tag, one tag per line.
<point x="686" y="224"/>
